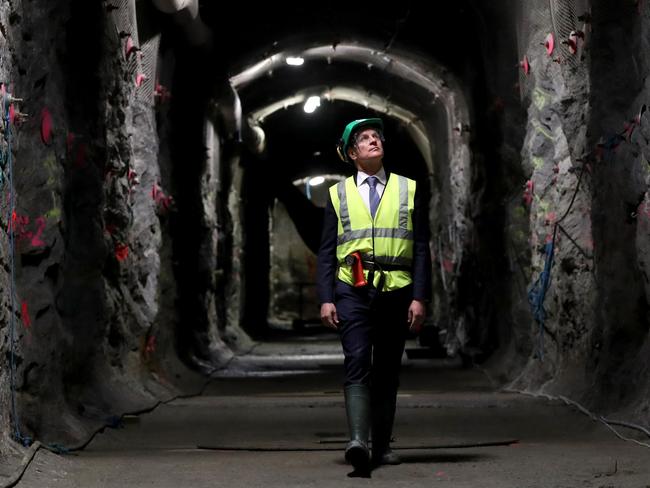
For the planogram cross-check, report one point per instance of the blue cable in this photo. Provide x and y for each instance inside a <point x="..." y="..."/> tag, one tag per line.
<point x="3" y="164"/>
<point x="537" y="293"/>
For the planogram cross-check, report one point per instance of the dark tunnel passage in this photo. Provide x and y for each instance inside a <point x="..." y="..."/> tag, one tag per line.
<point x="297" y="149"/>
<point x="165" y="168"/>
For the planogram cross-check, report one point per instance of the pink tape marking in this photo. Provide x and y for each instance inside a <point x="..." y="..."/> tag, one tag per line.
<point x="121" y="251"/>
<point x="150" y="348"/>
<point x="24" y="315"/>
<point x="46" y="126"/>
<point x="140" y="79"/>
<point x="36" y="240"/>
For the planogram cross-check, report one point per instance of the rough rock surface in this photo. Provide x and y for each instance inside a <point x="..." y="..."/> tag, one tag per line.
<point x="584" y="168"/>
<point x="6" y="70"/>
<point x="88" y="232"/>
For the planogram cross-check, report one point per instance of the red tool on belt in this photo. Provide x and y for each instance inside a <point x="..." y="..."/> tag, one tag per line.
<point x="354" y="260"/>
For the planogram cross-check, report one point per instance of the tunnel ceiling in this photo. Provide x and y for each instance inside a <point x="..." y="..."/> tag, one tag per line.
<point x="446" y="31"/>
<point x="319" y="73"/>
<point x="442" y="36"/>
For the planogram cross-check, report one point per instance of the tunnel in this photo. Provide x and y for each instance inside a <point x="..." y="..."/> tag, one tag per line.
<point x="165" y="173"/>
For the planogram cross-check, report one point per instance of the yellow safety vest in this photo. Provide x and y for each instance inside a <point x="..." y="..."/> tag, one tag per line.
<point x="387" y="240"/>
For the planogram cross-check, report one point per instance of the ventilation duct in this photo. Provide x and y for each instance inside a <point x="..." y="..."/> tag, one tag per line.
<point x="186" y="14"/>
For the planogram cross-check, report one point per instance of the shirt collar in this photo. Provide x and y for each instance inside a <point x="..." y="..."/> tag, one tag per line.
<point x="381" y="176"/>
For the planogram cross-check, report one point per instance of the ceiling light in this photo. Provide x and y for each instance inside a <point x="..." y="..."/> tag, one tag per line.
<point x="295" y="61"/>
<point x="316" y="180"/>
<point x="311" y="104"/>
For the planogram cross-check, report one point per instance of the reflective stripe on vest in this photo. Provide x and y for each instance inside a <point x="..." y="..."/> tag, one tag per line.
<point x="377" y="232"/>
<point x="387" y="240"/>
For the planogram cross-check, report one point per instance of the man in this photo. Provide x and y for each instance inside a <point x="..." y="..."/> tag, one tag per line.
<point x="374" y="278"/>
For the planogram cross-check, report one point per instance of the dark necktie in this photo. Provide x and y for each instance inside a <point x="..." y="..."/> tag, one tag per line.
<point x="373" y="196"/>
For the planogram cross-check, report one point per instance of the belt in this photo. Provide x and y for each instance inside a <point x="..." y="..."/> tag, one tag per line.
<point x="375" y="266"/>
<point x="372" y="266"/>
<point x="382" y="269"/>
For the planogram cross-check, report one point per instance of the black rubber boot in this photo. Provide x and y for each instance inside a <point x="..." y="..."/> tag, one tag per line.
<point x="357" y="407"/>
<point x="383" y="410"/>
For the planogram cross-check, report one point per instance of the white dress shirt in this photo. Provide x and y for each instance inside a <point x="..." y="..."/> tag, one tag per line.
<point x="364" y="188"/>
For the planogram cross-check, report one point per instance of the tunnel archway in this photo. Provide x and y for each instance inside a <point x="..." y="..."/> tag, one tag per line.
<point x="429" y="107"/>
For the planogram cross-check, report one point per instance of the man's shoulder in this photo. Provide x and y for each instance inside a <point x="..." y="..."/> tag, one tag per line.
<point x="391" y="174"/>
<point x="335" y="188"/>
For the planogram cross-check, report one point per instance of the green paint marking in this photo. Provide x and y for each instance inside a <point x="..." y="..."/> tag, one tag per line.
<point x="53" y="213"/>
<point x="50" y="162"/>
<point x="539" y="128"/>
<point x="645" y="163"/>
<point x="543" y="206"/>
<point x="538" y="162"/>
<point x="540" y="98"/>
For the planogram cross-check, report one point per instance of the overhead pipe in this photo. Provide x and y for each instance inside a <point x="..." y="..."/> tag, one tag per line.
<point x="227" y="114"/>
<point x="186" y="14"/>
<point x="254" y="136"/>
<point x="172" y="6"/>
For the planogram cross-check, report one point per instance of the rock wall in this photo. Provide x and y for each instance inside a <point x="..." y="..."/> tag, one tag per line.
<point x="620" y="130"/>
<point x="548" y="220"/>
<point x="7" y="69"/>
<point x="582" y="185"/>
<point x="293" y="295"/>
<point x="93" y="260"/>
<point x="32" y="263"/>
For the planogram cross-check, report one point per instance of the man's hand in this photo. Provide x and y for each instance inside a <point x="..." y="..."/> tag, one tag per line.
<point x="328" y="315"/>
<point x="417" y="311"/>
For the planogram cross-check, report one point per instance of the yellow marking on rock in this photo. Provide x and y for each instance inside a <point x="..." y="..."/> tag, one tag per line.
<point x="50" y="162"/>
<point x="519" y="212"/>
<point x="53" y="213"/>
<point x="540" y="98"/>
<point x="542" y="130"/>
<point x="543" y="206"/>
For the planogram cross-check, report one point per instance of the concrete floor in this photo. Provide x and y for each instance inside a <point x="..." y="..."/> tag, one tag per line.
<point x="276" y="419"/>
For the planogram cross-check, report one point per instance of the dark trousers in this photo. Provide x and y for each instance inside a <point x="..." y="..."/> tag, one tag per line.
<point x="373" y="331"/>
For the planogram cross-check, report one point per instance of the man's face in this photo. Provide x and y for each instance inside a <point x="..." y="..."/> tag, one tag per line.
<point x="367" y="145"/>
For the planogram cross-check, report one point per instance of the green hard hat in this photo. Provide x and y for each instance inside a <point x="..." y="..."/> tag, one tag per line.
<point x="351" y="128"/>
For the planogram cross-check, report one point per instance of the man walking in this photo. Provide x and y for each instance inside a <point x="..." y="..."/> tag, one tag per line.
<point x="374" y="279"/>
